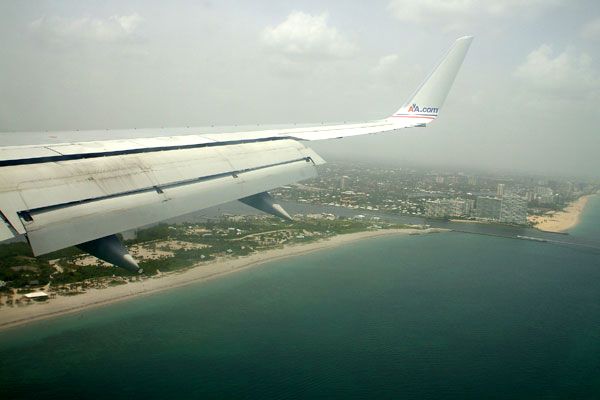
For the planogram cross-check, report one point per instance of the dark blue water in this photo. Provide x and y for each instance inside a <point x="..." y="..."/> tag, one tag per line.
<point x="440" y="316"/>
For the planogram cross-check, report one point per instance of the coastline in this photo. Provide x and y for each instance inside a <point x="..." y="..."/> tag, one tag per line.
<point x="561" y="221"/>
<point x="201" y="272"/>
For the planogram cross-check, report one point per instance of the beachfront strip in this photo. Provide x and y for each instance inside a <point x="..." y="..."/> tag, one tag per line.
<point x="171" y="255"/>
<point x="64" y="280"/>
<point x="561" y="221"/>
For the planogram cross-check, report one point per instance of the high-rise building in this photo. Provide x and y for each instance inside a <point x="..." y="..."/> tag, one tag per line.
<point x="488" y="208"/>
<point x="472" y="180"/>
<point x="452" y="180"/>
<point x="344" y="182"/>
<point x="544" y="195"/>
<point x="513" y="210"/>
<point x="460" y="208"/>
<point x="435" y="209"/>
<point x="529" y="196"/>
<point x="510" y="209"/>
<point x="447" y="208"/>
<point x="500" y="190"/>
<point x="543" y="191"/>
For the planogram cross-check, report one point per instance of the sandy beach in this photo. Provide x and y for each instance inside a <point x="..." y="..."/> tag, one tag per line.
<point x="561" y="221"/>
<point x="18" y="315"/>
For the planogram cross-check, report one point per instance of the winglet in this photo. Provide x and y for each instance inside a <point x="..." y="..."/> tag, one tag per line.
<point x="425" y="103"/>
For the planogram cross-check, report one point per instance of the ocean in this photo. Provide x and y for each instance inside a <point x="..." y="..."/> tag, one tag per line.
<point x="441" y="316"/>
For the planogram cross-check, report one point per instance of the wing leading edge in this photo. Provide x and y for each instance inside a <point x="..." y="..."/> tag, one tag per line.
<point x="82" y="193"/>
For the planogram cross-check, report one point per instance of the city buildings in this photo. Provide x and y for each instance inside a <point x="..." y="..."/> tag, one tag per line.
<point x="544" y="195"/>
<point x="500" y="190"/>
<point x="509" y="209"/>
<point x="344" y="182"/>
<point x="441" y="208"/>
<point x="434" y="193"/>
<point x="513" y="210"/>
<point x="488" y="208"/>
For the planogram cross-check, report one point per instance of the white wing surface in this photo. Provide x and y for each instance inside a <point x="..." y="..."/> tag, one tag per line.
<point x="65" y="194"/>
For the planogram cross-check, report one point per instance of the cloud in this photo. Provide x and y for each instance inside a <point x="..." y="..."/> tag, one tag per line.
<point x="388" y="72"/>
<point x="460" y="14"/>
<point x="591" y="30"/>
<point x="305" y="35"/>
<point x="567" y="74"/>
<point x="386" y="65"/>
<point x="69" y="30"/>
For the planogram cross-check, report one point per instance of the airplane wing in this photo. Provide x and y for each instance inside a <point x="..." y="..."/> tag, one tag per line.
<point x="83" y="193"/>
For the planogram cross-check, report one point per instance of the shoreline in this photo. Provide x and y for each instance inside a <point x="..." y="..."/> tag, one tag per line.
<point x="561" y="221"/>
<point x="200" y="272"/>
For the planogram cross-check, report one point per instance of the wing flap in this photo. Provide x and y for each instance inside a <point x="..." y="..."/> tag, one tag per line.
<point x="60" y="198"/>
<point x="5" y="230"/>
<point x="50" y="184"/>
<point x="16" y="153"/>
<point x="111" y="146"/>
<point x="64" y="226"/>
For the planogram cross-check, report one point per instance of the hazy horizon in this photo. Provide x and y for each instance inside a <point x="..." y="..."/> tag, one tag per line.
<point x="524" y="100"/>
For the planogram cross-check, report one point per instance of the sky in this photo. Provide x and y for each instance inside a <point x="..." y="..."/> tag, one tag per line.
<point x="526" y="98"/>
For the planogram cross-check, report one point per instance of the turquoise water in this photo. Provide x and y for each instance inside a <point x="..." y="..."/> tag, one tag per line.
<point x="438" y="316"/>
<point x="589" y="227"/>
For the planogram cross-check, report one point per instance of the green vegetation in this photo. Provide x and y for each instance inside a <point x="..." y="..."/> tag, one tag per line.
<point x="168" y="248"/>
<point x="72" y="273"/>
<point x="20" y="269"/>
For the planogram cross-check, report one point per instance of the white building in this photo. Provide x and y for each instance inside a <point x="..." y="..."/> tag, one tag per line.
<point x="510" y="209"/>
<point x="488" y="208"/>
<point x="500" y="190"/>
<point x="441" y="208"/>
<point x="344" y="182"/>
<point x="513" y="210"/>
<point x="544" y="195"/>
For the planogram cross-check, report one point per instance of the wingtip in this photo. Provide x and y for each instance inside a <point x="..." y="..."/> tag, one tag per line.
<point x="425" y="103"/>
<point x="464" y="38"/>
